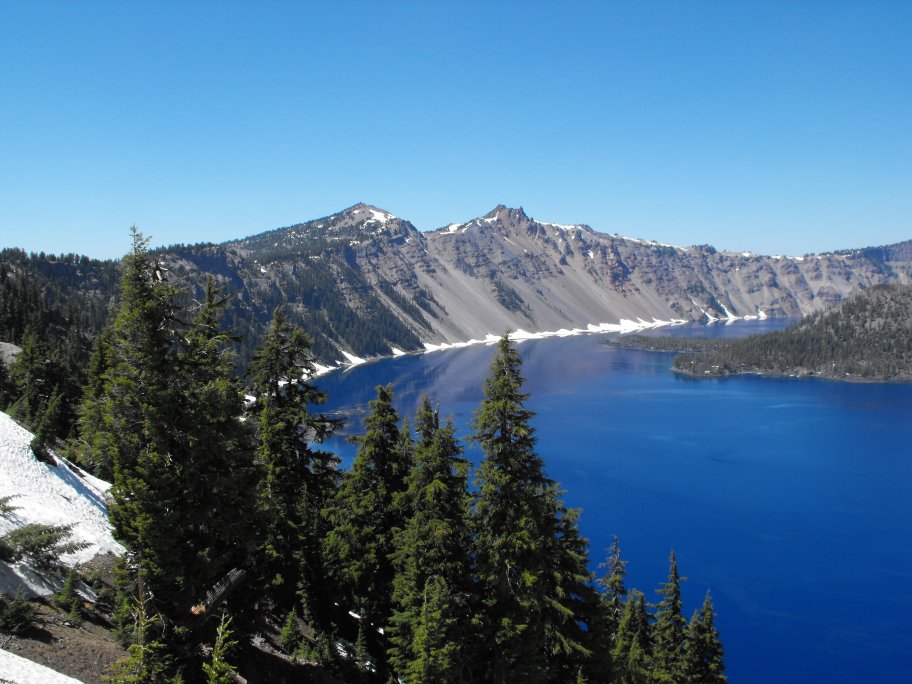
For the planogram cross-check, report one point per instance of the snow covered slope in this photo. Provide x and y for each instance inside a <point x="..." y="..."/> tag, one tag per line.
<point x="21" y="671"/>
<point x="53" y="495"/>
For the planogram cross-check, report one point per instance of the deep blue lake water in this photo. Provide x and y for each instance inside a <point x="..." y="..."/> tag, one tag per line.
<point x="791" y="500"/>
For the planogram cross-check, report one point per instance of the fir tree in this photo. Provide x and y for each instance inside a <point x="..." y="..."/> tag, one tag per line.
<point x="704" y="653"/>
<point x="630" y="653"/>
<point x="218" y="670"/>
<point x="7" y="388"/>
<point x="669" y="630"/>
<point x="147" y="662"/>
<point x="299" y="480"/>
<point x="612" y="600"/>
<point x="573" y="607"/>
<point x="364" y="514"/>
<point x="433" y="545"/>
<point x="95" y="446"/>
<point x="68" y="598"/>
<point x="181" y="456"/>
<point x="529" y="556"/>
<point x="437" y="648"/>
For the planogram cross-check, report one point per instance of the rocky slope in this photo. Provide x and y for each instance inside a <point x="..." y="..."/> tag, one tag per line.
<point x="364" y="281"/>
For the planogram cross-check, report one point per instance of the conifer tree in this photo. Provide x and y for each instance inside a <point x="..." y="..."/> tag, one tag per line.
<point x="94" y="435"/>
<point x="219" y="670"/>
<point x="630" y="653"/>
<point x="527" y="550"/>
<point x="704" y="653"/>
<point x="181" y="456"/>
<point x="437" y="646"/>
<point x="300" y="479"/>
<point x="669" y="630"/>
<point x="432" y="559"/>
<point x="614" y="591"/>
<point x="573" y="607"/>
<point x="365" y="513"/>
<point x="612" y="600"/>
<point x="7" y="388"/>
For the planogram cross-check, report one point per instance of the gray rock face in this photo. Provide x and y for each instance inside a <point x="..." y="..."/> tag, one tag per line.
<point x="507" y="270"/>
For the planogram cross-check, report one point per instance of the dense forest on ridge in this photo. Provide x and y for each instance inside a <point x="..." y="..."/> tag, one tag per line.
<point x="866" y="337"/>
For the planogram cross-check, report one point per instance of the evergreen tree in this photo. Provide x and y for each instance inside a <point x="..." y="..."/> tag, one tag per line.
<point x="704" y="653"/>
<point x="437" y="646"/>
<point x="218" y="670"/>
<point x="614" y="591"/>
<point x="147" y="662"/>
<point x="432" y="553"/>
<point x="529" y="556"/>
<point x="612" y="600"/>
<point x="94" y="435"/>
<point x="7" y="388"/>
<point x="300" y="480"/>
<point x="181" y="456"/>
<point x="630" y="653"/>
<point x="573" y="607"/>
<point x="364" y="514"/>
<point x="48" y="425"/>
<point x="669" y="630"/>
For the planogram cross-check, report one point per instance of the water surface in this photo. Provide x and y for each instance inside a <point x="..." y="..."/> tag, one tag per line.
<point x="790" y="499"/>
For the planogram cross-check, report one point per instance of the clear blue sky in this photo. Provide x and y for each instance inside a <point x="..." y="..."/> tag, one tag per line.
<point x="776" y="127"/>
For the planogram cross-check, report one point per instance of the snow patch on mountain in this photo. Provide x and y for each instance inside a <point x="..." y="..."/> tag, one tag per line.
<point x="51" y="494"/>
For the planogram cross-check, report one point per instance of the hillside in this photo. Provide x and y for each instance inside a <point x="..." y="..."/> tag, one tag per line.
<point x="365" y="282"/>
<point x="867" y="337"/>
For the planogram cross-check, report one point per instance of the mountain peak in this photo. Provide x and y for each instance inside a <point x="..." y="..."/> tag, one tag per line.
<point x="367" y="213"/>
<point x="507" y="214"/>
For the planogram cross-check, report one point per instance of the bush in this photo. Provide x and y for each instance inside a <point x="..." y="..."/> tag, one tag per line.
<point x="16" y="615"/>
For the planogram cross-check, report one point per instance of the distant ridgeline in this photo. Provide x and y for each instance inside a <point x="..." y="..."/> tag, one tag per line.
<point x="867" y="337"/>
<point x="364" y="282"/>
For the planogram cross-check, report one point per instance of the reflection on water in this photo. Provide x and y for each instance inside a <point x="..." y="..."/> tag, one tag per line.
<point x="788" y="498"/>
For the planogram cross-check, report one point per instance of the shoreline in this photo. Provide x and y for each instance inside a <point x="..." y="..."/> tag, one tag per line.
<point x="624" y="326"/>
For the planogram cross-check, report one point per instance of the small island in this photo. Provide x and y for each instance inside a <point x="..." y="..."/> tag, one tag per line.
<point x="867" y="338"/>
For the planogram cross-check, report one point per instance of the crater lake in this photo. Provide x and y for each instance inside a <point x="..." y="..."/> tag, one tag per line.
<point x="789" y="499"/>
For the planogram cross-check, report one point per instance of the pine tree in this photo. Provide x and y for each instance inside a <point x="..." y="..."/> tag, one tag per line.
<point x="437" y="648"/>
<point x="7" y="388"/>
<point x="300" y="480"/>
<point x="68" y="598"/>
<point x="530" y="559"/>
<point x="704" y="653"/>
<point x="181" y="456"/>
<point x="147" y="662"/>
<point x="433" y="545"/>
<point x="573" y="606"/>
<point x="669" y="629"/>
<point x="630" y="653"/>
<point x="364" y="514"/>
<point x="95" y="448"/>
<point x="614" y="591"/>
<point x="612" y="600"/>
<point x="218" y="670"/>
<point x="48" y="425"/>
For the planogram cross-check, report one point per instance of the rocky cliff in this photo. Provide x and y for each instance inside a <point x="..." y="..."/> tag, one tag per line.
<point x="364" y="281"/>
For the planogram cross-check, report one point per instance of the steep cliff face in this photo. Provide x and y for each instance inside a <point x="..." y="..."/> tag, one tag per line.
<point x="364" y="281"/>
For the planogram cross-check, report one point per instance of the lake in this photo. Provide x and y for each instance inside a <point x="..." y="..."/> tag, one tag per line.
<point x="791" y="500"/>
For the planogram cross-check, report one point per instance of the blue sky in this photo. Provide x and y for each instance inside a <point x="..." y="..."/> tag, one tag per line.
<point x="776" y="127"/>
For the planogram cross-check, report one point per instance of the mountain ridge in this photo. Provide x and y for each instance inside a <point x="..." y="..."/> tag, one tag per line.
<point x="364" y="281"/>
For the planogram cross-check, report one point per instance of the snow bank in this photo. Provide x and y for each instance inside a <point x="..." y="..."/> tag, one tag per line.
<point x="18" y="670"/>
<point x="60" y="494"/>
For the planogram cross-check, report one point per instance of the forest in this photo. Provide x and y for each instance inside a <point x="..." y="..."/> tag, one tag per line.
<point x="866" y="337"/>
<point x="411" y="566"/>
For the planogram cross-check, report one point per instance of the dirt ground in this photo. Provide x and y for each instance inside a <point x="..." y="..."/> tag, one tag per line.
<point x="85" y="651"/>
